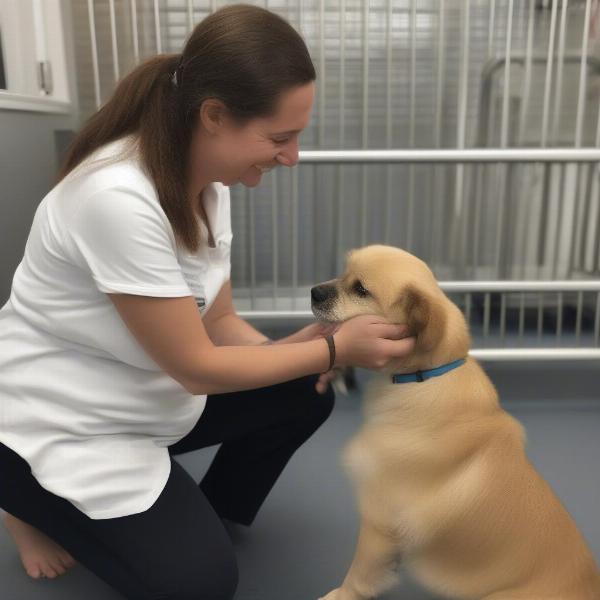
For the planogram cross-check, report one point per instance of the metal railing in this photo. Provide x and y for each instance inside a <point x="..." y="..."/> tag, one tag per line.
<point x="544" y="343"/>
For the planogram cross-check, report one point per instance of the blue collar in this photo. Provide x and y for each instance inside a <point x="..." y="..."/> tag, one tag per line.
<point x="423" y="375"/>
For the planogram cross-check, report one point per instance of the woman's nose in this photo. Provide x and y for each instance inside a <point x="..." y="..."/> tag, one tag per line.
<point x="289" y="155"/>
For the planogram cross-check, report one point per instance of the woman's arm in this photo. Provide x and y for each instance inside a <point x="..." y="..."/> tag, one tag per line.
<point x="225" y="327"/>
<point x="171" y="331"/>
<point x="232" y="330"/>
<point x="234" y="368"/>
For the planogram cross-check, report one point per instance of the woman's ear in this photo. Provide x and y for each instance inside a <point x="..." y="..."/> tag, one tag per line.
<point x="424" y="315"/>
<point x="212" y="114"/>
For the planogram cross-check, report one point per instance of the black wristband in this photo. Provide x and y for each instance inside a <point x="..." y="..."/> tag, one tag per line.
<point x="331" y="345"/>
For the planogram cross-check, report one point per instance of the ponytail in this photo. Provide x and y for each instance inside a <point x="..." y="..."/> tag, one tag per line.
<point x="146" y="102"/>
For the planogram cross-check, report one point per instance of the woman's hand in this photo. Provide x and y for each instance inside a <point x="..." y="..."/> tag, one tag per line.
<point x="371" y="342"/>
<point x="367" y="341"/>
<point x="324" y="379"/>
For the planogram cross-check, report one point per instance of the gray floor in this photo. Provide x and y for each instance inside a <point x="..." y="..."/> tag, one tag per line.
<point x="302" y="541"/>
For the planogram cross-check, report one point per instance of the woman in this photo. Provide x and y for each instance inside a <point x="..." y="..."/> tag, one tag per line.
<point x="106" y="369"/>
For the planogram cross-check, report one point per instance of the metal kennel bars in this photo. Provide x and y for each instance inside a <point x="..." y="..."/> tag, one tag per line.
<point x="465" y="131"/>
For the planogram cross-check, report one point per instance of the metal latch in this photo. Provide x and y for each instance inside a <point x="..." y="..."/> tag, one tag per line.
<point x="45" y="76"/>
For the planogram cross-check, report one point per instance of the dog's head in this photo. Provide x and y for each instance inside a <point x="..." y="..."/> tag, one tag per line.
<point x="392" y="283"/>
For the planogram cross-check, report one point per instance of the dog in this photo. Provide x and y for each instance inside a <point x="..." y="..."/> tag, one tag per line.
<point x="442" y="480"/>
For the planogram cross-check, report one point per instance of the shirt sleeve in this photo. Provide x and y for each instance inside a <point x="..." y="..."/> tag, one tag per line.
<point x="124" y="242"/>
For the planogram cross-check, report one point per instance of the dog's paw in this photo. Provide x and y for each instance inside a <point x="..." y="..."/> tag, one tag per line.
<point x="340" y="594"/>
<point x="333" y="595"/>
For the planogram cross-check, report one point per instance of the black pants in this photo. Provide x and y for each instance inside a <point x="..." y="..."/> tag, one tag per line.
<point x="179" y="549"/>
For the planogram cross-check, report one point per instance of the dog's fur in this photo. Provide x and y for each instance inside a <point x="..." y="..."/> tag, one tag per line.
<point x="442" y="478"/>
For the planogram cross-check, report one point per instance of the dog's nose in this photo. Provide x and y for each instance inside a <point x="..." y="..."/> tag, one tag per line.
<point x="321" y="293"/>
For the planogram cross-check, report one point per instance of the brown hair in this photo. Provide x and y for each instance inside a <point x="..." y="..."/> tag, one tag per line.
<point x="241" y="54"/>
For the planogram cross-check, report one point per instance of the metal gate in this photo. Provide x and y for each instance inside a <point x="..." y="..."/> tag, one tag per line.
<point x="464" y="131"/>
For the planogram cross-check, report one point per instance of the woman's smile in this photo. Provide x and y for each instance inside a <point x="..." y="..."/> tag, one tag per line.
<point x="263" y="169"/>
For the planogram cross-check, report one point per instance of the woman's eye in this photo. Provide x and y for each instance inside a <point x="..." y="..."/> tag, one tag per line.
<point x="359" y="289"/>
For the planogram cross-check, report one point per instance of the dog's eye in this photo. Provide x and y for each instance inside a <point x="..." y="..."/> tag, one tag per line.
<point x="359" y="289"/>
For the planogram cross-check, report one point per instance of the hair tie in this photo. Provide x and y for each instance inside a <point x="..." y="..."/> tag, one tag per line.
<point x="175" y="80"/>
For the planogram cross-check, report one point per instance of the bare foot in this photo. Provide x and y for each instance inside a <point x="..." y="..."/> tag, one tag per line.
<point x="40" y="555"/>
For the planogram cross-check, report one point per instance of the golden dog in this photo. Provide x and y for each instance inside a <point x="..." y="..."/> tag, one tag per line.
<point x="442" y="479"/>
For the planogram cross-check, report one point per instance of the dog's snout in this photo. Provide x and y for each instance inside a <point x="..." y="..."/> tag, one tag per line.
<point x="322" y="293"/>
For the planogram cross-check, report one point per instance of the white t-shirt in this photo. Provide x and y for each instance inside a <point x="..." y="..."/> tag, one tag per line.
<point x="80" y="399"/>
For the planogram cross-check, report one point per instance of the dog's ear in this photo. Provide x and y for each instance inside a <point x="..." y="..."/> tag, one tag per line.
<point x="424" y="315"/>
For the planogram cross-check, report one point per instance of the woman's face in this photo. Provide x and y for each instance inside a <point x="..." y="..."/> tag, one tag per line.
<point x="223" y="151"/>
